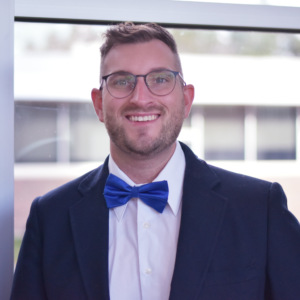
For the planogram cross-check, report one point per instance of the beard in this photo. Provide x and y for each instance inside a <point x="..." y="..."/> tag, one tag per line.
<point x="143" y="145"/>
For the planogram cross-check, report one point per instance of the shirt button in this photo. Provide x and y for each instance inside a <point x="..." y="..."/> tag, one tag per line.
<point x="146" y="225"/>
<point x="148" y="271"/>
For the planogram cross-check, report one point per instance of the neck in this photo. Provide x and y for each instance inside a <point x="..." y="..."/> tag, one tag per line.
<point x="141" y="169"/>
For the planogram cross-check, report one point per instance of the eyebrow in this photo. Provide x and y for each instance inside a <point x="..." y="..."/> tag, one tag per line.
<point x="152" y="69"/>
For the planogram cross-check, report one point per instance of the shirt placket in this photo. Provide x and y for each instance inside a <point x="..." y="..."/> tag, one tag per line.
<point x="145" y="216"/>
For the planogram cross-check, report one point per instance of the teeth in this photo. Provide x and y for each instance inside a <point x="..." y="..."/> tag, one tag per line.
<point x="143" y="119"/>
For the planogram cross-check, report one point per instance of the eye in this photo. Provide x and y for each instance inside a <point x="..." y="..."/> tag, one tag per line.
<point x="122" y="82"/>
<point x="160" y="80"/>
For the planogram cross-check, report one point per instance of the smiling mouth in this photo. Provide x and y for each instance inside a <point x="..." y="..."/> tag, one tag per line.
<point x="142" y="118"/>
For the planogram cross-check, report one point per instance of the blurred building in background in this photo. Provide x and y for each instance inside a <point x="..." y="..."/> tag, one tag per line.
<point x="245" y="117"/>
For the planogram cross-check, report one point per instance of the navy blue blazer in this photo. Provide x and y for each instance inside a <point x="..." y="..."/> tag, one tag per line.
<point x="237" y="240"/>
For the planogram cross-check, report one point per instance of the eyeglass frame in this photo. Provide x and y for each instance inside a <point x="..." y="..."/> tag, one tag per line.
<point x="104" y="78"/>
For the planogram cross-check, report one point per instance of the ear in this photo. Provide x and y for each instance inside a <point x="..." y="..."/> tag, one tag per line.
<point x="98" y="104"/>
<point x="188" y="93"/>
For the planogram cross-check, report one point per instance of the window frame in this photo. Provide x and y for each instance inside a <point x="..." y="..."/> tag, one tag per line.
<point x="170" y="13"/>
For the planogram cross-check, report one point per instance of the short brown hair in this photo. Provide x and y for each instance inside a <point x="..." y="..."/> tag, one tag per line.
<point x="129" y="33"/>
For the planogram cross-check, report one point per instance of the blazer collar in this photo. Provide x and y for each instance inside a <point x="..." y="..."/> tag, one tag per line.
<point x="89" y="222"/>
<point x="201" y="220"/>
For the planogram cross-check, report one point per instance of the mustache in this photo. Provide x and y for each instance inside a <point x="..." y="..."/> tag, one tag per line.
<point x="152" y="108"/>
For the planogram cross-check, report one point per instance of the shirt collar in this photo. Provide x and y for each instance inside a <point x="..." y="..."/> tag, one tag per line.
<point x="173" y="172"/>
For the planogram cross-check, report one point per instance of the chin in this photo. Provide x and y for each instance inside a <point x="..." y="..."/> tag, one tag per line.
<point x="146" y="146"/>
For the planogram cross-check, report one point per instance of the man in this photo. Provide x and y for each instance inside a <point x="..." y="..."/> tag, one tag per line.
<point x="154" y="221"/>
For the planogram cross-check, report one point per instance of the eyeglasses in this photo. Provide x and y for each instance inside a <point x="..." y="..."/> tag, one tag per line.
<point x="159" y="82"/>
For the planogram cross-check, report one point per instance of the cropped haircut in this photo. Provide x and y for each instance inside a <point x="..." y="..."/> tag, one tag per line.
<point x="129" y="33"/>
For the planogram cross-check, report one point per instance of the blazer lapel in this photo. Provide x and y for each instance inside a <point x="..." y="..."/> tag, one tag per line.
<point x="202" y="216"/>
<point x="89" y="221"/>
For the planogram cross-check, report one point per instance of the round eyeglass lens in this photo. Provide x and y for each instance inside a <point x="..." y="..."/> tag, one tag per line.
<point x="161" y="82"/>
<point x="120" y="85"/>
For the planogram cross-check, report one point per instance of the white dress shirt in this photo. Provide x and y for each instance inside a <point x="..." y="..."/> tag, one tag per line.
<point x="142" y="241"/>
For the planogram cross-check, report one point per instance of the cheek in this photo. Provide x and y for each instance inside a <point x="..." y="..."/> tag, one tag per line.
<point x="105" y="112"/>
<point x="111" y="110"/>
<point x="177" y="105"/>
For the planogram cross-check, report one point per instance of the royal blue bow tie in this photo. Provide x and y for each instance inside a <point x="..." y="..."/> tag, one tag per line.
<point x="117" y="192"/>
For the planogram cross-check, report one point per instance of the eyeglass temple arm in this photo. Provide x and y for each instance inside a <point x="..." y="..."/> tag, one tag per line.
<point x="101" y="84"/>
<point x="184" y="83"/>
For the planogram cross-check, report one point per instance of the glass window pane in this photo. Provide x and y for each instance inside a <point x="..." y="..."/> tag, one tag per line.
<point x="276" y="136"/>
<point x="58" y="136"/>
<point x="224" y="133"/>
<point x="89" y="139"/>
<point x="35" y="131"/>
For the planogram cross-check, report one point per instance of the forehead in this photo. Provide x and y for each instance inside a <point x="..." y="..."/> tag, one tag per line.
<point x="139" y="58"/>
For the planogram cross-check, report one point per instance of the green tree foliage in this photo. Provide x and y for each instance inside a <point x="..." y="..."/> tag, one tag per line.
<point x="236" y="42"/>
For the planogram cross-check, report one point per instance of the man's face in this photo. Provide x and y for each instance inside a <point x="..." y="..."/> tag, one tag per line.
<point x="142" y="123"/>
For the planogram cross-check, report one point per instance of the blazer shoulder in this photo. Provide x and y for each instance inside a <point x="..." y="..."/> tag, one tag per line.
<point x="215" y="177"/>
<point x="226" y="175"/>
<point x="236" y="184"/>
<point x="70" y="192"/>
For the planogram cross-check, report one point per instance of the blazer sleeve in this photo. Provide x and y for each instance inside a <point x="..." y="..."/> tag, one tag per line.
<point x="28" y="283"/>
<point x="283" y="263"/>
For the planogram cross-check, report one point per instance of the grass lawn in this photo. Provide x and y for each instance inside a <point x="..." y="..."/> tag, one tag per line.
<point x="17" y="245"/>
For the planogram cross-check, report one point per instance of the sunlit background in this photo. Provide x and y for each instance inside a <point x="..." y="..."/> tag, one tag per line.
<point x="245" y="118"/>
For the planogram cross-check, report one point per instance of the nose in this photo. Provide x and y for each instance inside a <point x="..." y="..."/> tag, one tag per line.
<point x="141" y="95"/>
